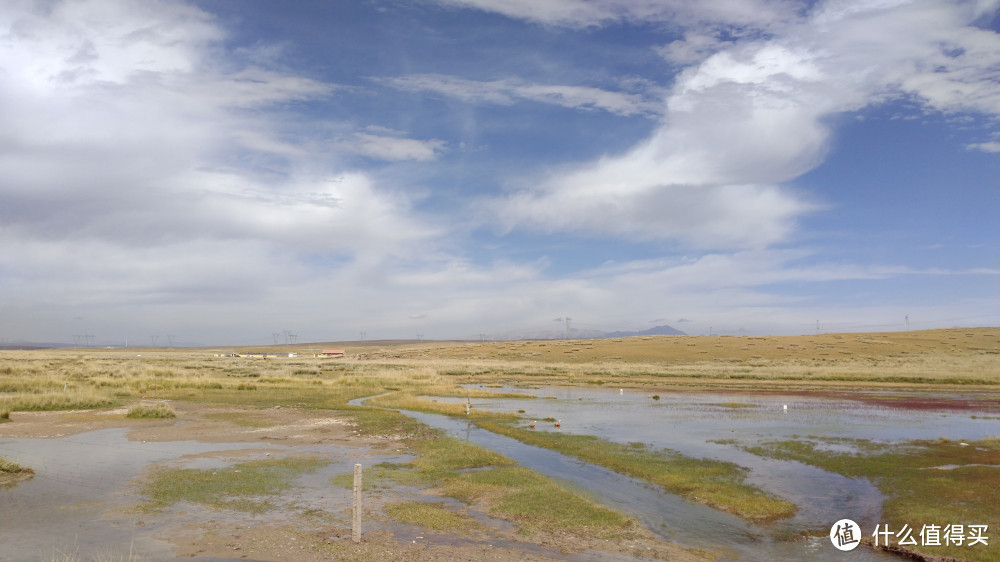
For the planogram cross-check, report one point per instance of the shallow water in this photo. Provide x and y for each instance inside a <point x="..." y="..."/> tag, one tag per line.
<point x="693" y="423"/>
<point x="75" y="506"/>
<point x="668" y="516"/>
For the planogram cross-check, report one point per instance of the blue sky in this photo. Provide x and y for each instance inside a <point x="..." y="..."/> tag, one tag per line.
<point x="221" y="171"/>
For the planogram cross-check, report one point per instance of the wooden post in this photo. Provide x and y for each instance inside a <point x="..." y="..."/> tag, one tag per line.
<point x="356" y="525"/>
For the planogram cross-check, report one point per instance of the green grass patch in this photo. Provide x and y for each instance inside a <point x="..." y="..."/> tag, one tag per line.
<point x="448" y="454"/>
<point x="476" y="475"/>
<point x="918" y="493"/>
<point x="11" y="473"/>
<point x="149" y="412"/>
<point x="734" y="405"/>
<point x="536" y="503"/>
<point x="243" y="487"/>
<point x="11" y="467"/>
<point x="432" y="516"/>
<point x="714" y="483"/>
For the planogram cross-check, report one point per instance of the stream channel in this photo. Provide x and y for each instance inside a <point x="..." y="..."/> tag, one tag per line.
<point x="711" y="425"/>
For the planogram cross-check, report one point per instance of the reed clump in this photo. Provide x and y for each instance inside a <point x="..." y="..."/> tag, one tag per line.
<point x="11" y="473"/>
<point x="154" y="411"/>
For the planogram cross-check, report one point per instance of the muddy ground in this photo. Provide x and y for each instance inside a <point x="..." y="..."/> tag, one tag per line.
<point x="313" y="522"/>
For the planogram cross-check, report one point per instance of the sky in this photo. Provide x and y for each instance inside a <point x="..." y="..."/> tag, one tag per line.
<point x="254" y="172"/>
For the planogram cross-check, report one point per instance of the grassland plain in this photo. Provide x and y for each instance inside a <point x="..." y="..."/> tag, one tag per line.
<point x="886" y="366"/>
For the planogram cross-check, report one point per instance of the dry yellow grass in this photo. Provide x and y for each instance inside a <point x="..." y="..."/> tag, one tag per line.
<point x="928" y="360"/>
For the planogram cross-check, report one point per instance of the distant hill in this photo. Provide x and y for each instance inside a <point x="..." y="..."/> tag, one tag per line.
<point x="584" y="334"/>
<point x="663" y="330"/>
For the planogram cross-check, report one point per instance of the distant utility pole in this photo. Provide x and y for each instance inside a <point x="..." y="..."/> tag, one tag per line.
<point x="907" y="319"/>
<point x="363" y="334"/>
<point x="293" y="337"/>
<point x="154" y="339"/>
<point x="817" y="327"/>
<point x="567" y="326"/>
<point x="90" y="339"/>
<point x="276" y="337"/>
<point x="170" y="338"/>
<point x="482" y="338"/>
<point x="420" y="337"/>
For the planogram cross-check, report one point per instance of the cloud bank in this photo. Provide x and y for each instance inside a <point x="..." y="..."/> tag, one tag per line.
<point x="752" y="117"/>
<point x="155" y="179"/>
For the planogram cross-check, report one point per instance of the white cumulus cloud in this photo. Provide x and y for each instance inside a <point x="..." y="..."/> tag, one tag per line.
<point x="750" y="118"/>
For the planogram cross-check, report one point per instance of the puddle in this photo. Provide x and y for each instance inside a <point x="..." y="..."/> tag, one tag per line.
<point x="76" y="505"/>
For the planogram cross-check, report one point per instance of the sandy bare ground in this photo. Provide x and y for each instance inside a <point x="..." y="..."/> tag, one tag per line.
<point x="294" y="529"/>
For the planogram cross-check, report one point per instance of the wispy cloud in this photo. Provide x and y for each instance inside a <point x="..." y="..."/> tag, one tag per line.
<point x="392" y="148"/>
<point x="991" y="146"/>
<point x="588" y="13"/>
<point x="508" y="91"/>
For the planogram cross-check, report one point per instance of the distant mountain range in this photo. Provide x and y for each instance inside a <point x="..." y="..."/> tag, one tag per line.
<point x="663" y="330"/>
<point x="586" y="334"/>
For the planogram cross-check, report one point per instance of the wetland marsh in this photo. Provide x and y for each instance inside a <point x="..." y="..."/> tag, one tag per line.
<point x="668" y="448"/>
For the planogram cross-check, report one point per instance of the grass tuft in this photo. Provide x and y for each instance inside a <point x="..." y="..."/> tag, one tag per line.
<point x="11" y="473"/>
<point x="150" y="412"/>
<point x="432" y="516"/>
